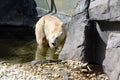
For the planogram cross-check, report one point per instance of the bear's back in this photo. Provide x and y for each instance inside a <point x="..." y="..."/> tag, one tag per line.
<point x="52" y="24"/>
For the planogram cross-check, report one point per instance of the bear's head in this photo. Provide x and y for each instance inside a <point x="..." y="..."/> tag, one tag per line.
<point x="57" y="36"/>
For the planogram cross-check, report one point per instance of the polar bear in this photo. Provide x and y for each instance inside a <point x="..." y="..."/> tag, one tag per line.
<point x="50" y="35"/>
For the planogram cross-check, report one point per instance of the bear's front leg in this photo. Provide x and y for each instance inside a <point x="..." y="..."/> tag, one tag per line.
<point x="51" y="54"/>
<point x="41" y="52"/>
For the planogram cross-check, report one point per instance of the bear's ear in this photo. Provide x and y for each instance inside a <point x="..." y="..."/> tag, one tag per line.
<point x="66" y="26"/>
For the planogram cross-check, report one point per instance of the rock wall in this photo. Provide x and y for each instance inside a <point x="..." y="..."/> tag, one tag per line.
<point x="93" y="35"/>
<point x="15" y="12"/>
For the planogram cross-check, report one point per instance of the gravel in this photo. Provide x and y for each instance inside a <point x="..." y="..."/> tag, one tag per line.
<point x="59" y="70"/>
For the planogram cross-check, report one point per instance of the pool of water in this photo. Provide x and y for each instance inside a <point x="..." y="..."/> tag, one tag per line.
<point x="17" y="51"/>
<point x="17" y="43"/>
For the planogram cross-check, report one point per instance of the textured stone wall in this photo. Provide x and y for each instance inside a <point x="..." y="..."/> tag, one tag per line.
<point x="94" y="35"/>
<point x="13" y="12"/>
<point x="107" y="15"/>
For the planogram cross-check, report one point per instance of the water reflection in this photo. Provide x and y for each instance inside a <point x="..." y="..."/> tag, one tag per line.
<point x="17" y="51"/>
<point x="18" y="45"/>
<point x="50" y="53"/>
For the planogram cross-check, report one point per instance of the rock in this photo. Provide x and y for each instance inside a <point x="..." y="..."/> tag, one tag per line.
<point x="105" y="10"/>
<point x="110" y="53"/>
<point x="113" y="56"/>
<point x="113" y="41"/>
<point x="18" y="12"/>
<point x="94" y="35"/>
<point x="106" y="13"/>
<point x="65" y="18"/>
<point x="99" y="10"/>
<point x="112" y="63"/>
<point x="75" y="37"/>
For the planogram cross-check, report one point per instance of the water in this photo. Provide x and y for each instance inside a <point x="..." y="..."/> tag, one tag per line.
<point x="17" y="51"/>
<point x="17" y="43"/>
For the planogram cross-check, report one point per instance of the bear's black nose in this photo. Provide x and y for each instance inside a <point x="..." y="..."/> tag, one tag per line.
<point x="53" y="44"/>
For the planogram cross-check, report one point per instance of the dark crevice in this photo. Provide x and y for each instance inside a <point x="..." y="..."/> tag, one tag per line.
<point x="109" y="25"/>
<point x="94" y="47"/>
<point x="89" y="46"/>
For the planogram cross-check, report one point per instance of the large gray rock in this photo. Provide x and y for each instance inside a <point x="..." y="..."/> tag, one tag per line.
<point x="98" y="40"/>
<point x="75" y="37"/>
<point x="105" y="10"/>
<point x="109" y="34"/>
<point x="112" y="61"/>
<point x="106" y="13"/>
<point x="13" y="12"/>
